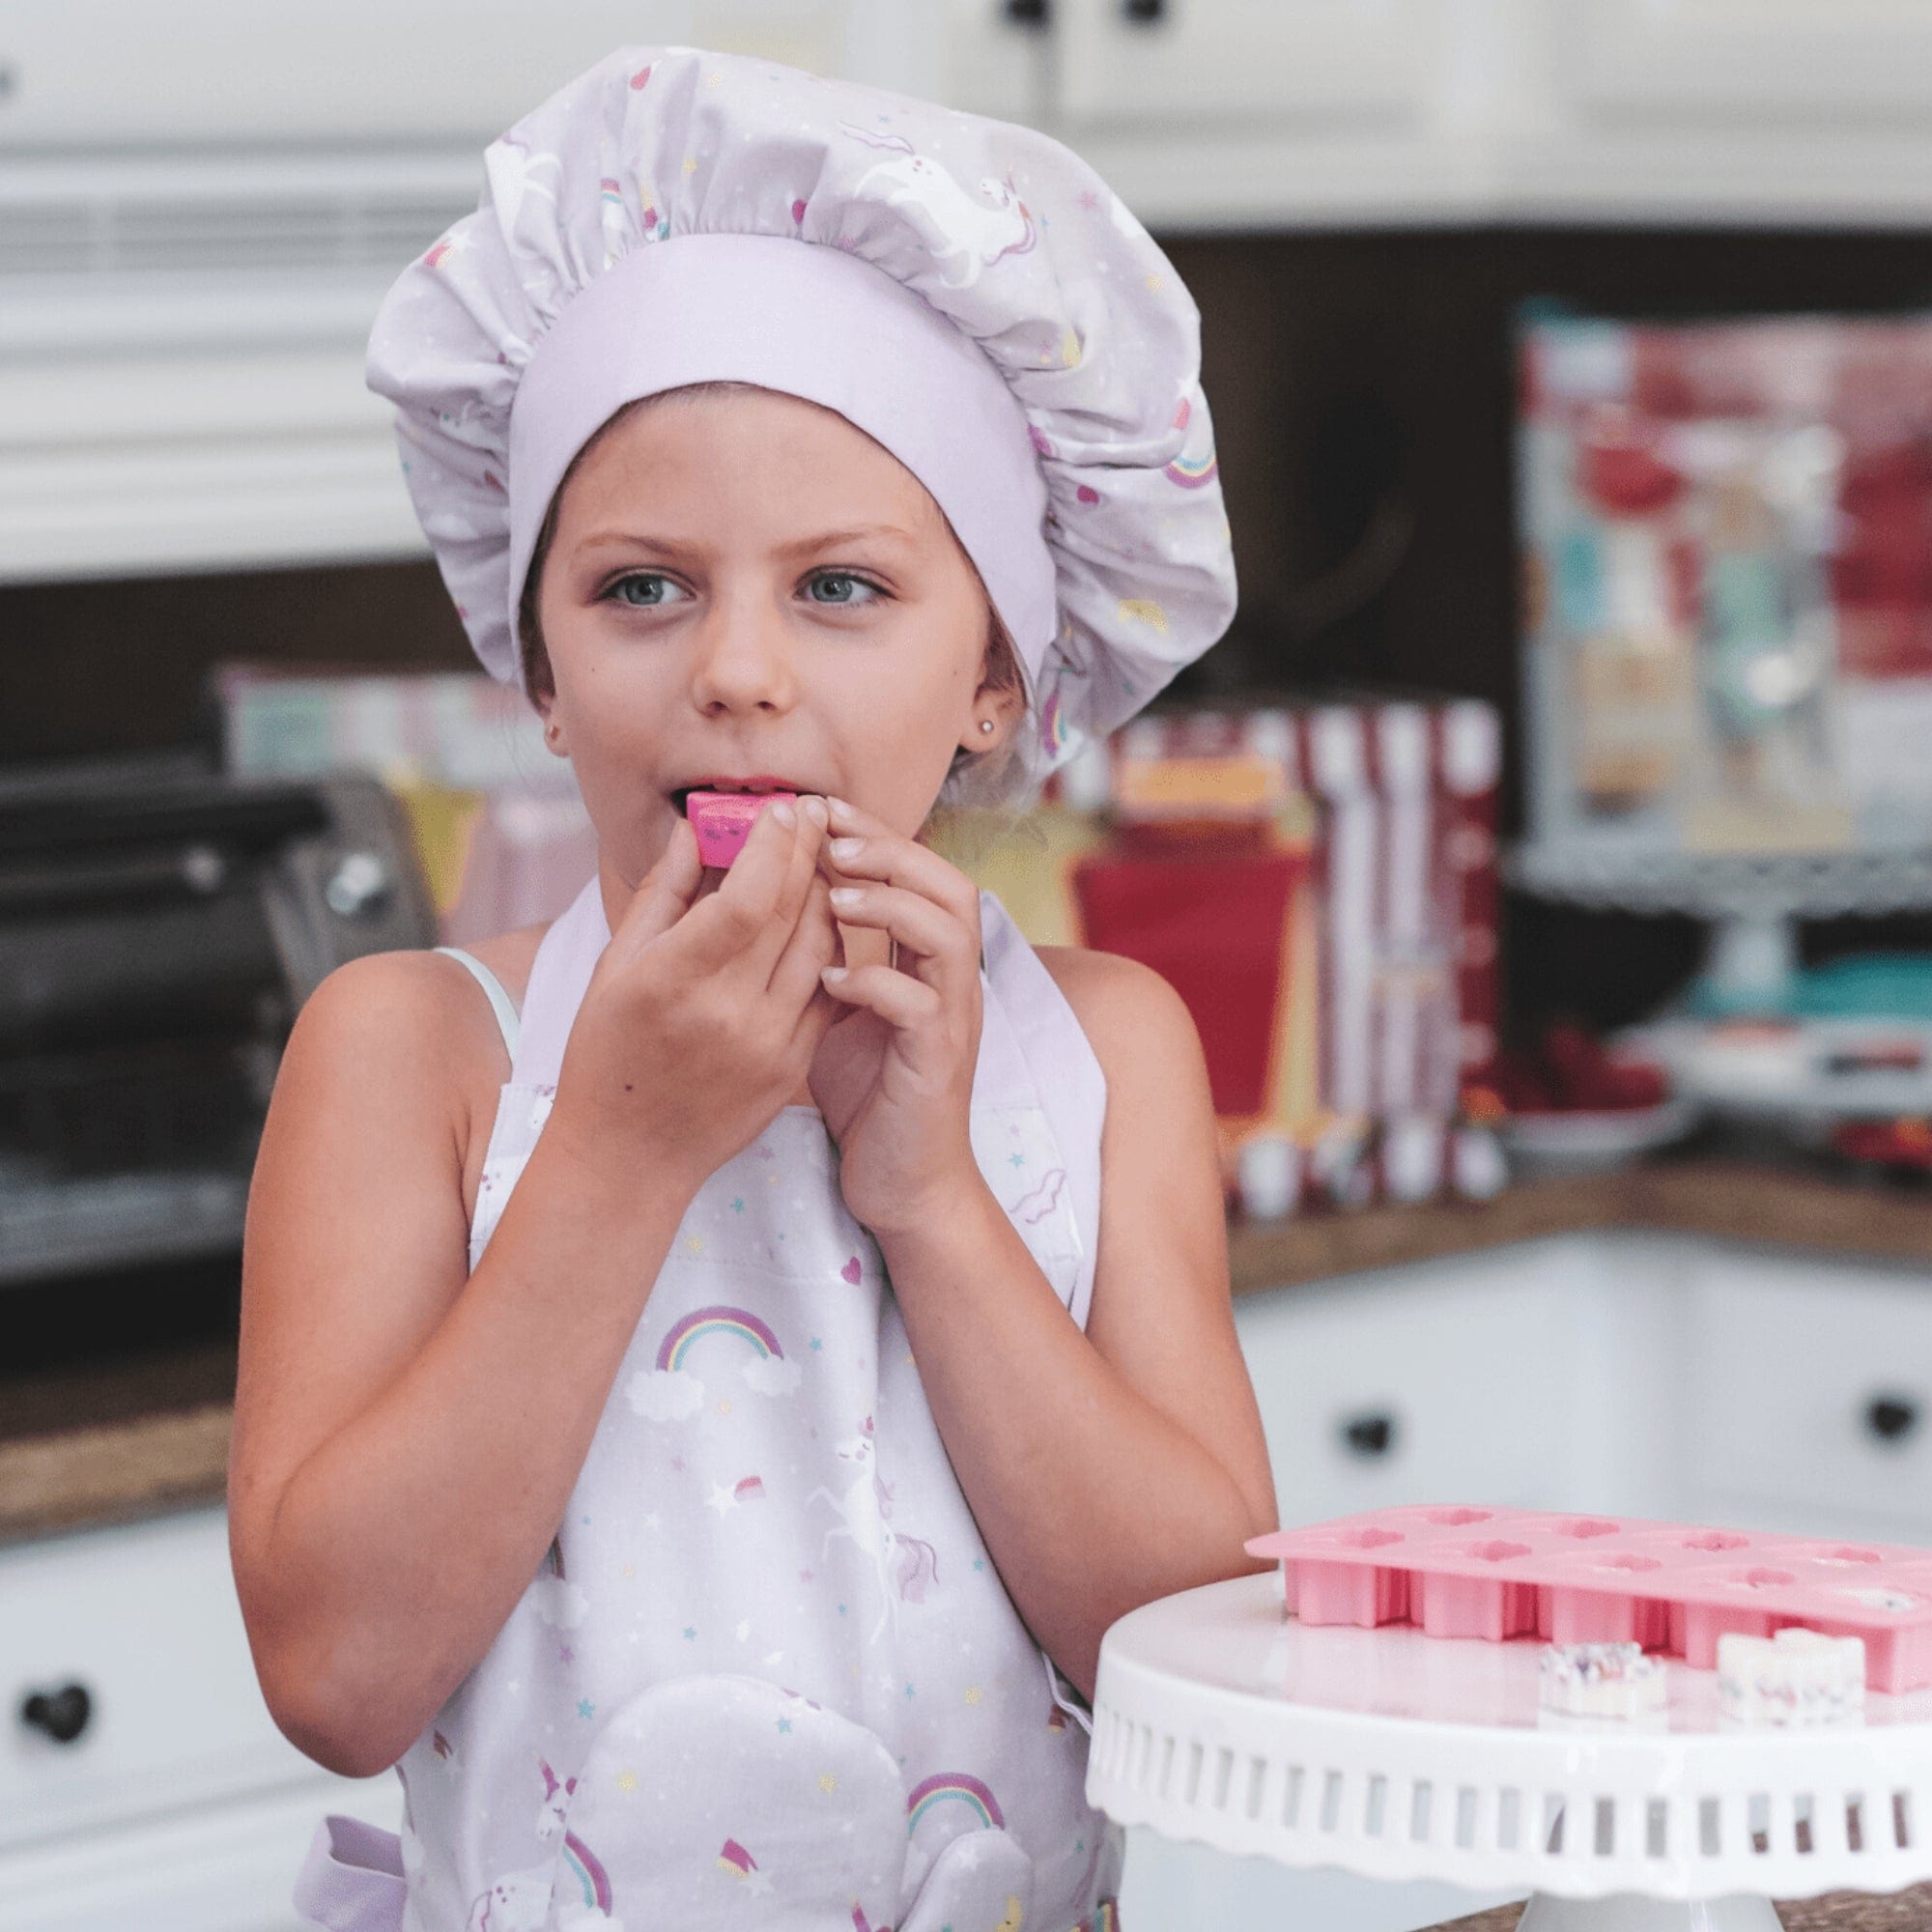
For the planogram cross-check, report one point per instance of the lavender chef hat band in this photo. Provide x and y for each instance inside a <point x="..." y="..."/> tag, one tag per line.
<point x="810" y="321"/>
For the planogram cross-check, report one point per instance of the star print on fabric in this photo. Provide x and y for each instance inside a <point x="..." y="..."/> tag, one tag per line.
<point x="972" y="1694"/>
<point x="816" y="1343"/>
<point x="784" y="1724"/>
<point x="627" y="1781"/>
<point x="1016" y="1160"/>
<point x="586" y="1707"/>
<point x="827" y="1782"/>
<point x="652" y="1521"/>
<point x="909" y="1691"/>
<point x="722" y="1498"/>
<point x="689" y="1633"/>
<point x="565" y="1655"/>
<point x="978" y="1562"/>
<point x="737" y="1203"/>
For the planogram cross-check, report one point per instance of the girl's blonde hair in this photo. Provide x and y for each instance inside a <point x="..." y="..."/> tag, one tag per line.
<point x="995" y="782"/>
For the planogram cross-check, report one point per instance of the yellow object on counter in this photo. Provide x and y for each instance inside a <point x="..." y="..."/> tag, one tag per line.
<point x="1028" y="866"/>
<point x="443" y="822"/>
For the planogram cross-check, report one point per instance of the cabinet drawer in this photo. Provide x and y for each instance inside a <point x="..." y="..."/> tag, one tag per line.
<point x="144" y="1617"/>
<point x="221" y="1868"/>
<point x="1441" y="1385"/>
<point x="1813" y="1386"/>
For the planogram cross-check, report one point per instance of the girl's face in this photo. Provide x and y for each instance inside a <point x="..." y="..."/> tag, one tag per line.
<point x="743" y="585"/>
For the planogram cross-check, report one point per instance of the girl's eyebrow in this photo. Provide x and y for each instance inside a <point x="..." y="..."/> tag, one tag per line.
<point x="822" y="540"/>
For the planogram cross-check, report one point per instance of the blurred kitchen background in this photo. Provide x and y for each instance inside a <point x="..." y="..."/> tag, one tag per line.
<point x="1545" y="854"/>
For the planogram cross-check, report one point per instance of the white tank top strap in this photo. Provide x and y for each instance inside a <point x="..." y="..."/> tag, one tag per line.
<point x="500" y="1001"/>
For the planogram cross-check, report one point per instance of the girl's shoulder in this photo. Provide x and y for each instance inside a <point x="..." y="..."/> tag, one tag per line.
<point x="1135" y="1021"/>
<point x="413" y="1019"/>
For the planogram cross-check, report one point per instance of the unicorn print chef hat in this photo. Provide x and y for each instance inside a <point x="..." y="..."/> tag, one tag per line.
<point x="965" y="290"/>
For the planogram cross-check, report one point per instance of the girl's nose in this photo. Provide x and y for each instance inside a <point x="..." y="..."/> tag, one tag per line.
<point x="743" y="659"/>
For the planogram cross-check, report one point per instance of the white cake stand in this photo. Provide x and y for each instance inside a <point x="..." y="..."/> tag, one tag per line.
<point x="1394" y="1755"/>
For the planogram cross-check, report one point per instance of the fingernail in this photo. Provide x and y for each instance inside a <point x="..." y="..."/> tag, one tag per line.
<point x="832" y="973"/>
<point x="845" y="848"/>
<point x="784" y="813"/>
<point x="839" y="808"/>
<point x="845" y="896"/>
<point x="815" y="809"/>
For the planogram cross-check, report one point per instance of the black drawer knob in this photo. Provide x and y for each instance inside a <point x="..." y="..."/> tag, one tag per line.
<point x="1027" y="13"/>
<point x="1143" y="13"/>
<point x="1892" y="1418"/>
<point x="1370" y="1435"/>
<point x="63" y="1715"/>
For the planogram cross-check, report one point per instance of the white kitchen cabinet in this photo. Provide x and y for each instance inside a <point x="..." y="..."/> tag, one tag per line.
<point x="1753" y="111"/>
<point x="117" y="75"/>
<point x="1801" y="61"/>
<point x="226" y="1868"/>
<point x="1391" y="1390"/>
<point x="1813" y="1401"/>
<point x="1215" y="62"/>
<point x="1238" y="114"/>
<point x="175" y="1806"/>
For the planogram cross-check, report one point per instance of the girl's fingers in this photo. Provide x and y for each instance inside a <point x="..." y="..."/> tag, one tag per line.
<point x="811" y="945"/>
<point x="889" y="856"/>
<point x="738" y="921"/>
<point x="929" y="942"/>
<point x="774" y="938"/>
<point x="666" y="893"/>
<point x="899" y="999"/>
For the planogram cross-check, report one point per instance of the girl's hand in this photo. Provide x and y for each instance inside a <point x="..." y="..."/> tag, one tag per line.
<point x="895" y="1077"/>
<point x="706" y="1010"/>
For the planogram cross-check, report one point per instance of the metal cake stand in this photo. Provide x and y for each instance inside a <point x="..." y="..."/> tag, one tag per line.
<point x="1394" y="1755"/>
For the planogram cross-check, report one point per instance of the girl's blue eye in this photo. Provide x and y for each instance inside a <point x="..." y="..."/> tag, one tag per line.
<point x="845" y="577"/>
<point x="650" y="577"/>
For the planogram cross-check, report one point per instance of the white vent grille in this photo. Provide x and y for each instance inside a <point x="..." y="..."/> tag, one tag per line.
<point x="161" y="212"/>
<point x="98" y="236"/>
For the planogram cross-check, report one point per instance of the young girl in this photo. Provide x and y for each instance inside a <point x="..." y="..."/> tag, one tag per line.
<point x="713" y="1367"/>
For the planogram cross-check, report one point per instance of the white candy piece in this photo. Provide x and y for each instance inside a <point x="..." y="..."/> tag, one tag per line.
<point x="1796" y="1678"/>
<point x="1613" y="1681"/>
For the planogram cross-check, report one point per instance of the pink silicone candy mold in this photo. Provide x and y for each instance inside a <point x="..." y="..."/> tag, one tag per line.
<point x="1458" y="1571"/>
<point x="722" y="820"/>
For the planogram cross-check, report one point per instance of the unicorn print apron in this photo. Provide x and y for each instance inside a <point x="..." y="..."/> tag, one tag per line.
<point x="766" y="1675"/>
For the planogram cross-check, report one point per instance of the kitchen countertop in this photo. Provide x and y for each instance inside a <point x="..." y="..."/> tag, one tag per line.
<point x="1835" y="1912"/>
<point x="93" y="1445"/>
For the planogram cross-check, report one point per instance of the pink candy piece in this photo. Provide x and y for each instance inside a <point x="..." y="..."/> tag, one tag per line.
<point x="1496" y="1574"/>
<point x="722" y="820"/>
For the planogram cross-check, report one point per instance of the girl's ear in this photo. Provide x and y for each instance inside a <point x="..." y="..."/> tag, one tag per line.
<point x="555" y="739"/>
<point x="1000" y="706"/>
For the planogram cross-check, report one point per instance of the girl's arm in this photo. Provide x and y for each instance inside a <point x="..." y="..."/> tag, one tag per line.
<point x="405" y="1442"/>
<point x="1108" y="1467"/>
